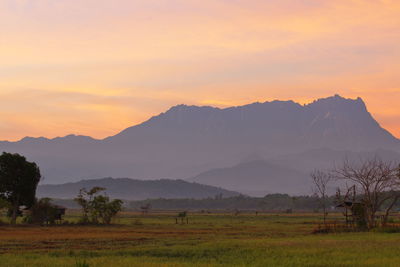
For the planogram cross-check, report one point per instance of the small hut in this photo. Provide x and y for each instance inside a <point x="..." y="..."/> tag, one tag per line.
<point x="45" y="215"/>
<point x="146" y="208"/>
<point x="59" y="212"/>
<point x="353" y="211"/>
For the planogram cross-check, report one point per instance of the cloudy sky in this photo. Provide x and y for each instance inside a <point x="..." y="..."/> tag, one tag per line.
<point x="95" y="67"/>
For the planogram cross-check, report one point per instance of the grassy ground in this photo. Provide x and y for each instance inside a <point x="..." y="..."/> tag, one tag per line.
<point x="208" y="240"/>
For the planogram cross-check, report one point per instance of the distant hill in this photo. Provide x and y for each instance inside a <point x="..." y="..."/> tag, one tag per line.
<point x="130" y="189"/>
<point x="257" y="178"/>
<point x="187" y="140"/>
<point x="283" y="174"/>
<point x="326" y="158"/>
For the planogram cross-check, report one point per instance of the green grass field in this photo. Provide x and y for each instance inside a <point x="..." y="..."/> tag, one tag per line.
<point x="208" y="240"/>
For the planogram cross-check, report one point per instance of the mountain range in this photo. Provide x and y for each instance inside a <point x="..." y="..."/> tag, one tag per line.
<point x="130" y="189"/>
<point x="266" y="147"/>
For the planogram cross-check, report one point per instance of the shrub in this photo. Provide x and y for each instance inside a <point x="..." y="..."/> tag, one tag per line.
<point x="42" y="212"/>
<point x="97" y="208"/>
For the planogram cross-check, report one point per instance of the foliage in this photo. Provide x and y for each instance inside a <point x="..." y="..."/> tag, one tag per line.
<point x="43" y="212"/>
<point x="18" y="181"/>
<point x="97" y="208"/>
<point x="4" y="204"/>
<point x="85" y="200"/>
<point x="104" y="209"/>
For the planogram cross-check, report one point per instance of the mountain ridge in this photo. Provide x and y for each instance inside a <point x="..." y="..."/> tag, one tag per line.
<point x="180" y="107"/>
<point x="187" y="140"/>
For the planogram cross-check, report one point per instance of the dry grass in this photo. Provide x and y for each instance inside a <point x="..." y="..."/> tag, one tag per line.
<point x="208" y="240"/>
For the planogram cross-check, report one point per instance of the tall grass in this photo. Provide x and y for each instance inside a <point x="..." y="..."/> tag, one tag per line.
<point x="81" y="263"/>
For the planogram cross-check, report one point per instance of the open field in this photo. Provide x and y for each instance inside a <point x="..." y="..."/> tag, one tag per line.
<point x="208" y="240"/>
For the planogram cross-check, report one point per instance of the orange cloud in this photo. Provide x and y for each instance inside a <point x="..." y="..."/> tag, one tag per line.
<point x="98" y="66"/>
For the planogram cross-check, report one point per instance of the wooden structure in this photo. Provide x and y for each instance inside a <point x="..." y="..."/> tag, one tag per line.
<point x="47" y="216"/>
<point x="351" y="211"/>
<point x="146" y="208"/>
<point x="182" y="216"/>
<point x="59" y="213"/>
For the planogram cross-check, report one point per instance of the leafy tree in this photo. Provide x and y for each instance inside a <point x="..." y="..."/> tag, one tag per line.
<point x="18" y="182"/>
<point x="106" y="209"/>
<point x="97" y="208"/>
<point x="85" y="200"/>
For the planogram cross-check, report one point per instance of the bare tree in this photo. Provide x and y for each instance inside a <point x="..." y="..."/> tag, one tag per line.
<point x="378" y="183"/>
<point x="320" y="181"/>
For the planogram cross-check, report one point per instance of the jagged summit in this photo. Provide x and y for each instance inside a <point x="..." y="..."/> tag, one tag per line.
<point x="332" y="122"/>
<point x="337" y="101"/>
<point x="183" y="112"/>
<point x="332" y="100"/>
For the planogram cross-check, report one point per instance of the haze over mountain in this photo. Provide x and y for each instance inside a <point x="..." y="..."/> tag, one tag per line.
<point x="188" y="140"/>
<point x="256" y="178"/>
<point x="284" y="174"/>
<point x="129" y="189"/>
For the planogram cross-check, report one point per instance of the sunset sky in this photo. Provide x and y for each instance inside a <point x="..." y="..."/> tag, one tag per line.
<point x="95" y="67"/>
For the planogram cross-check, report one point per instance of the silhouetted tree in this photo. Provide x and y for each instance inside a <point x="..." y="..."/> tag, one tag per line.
<point x="18" y="182"/>
<point x="320" y="181"/>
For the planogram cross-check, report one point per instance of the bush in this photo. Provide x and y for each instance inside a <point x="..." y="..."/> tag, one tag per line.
<point x="42" y="212"/>
<point x="97" y="208"/>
